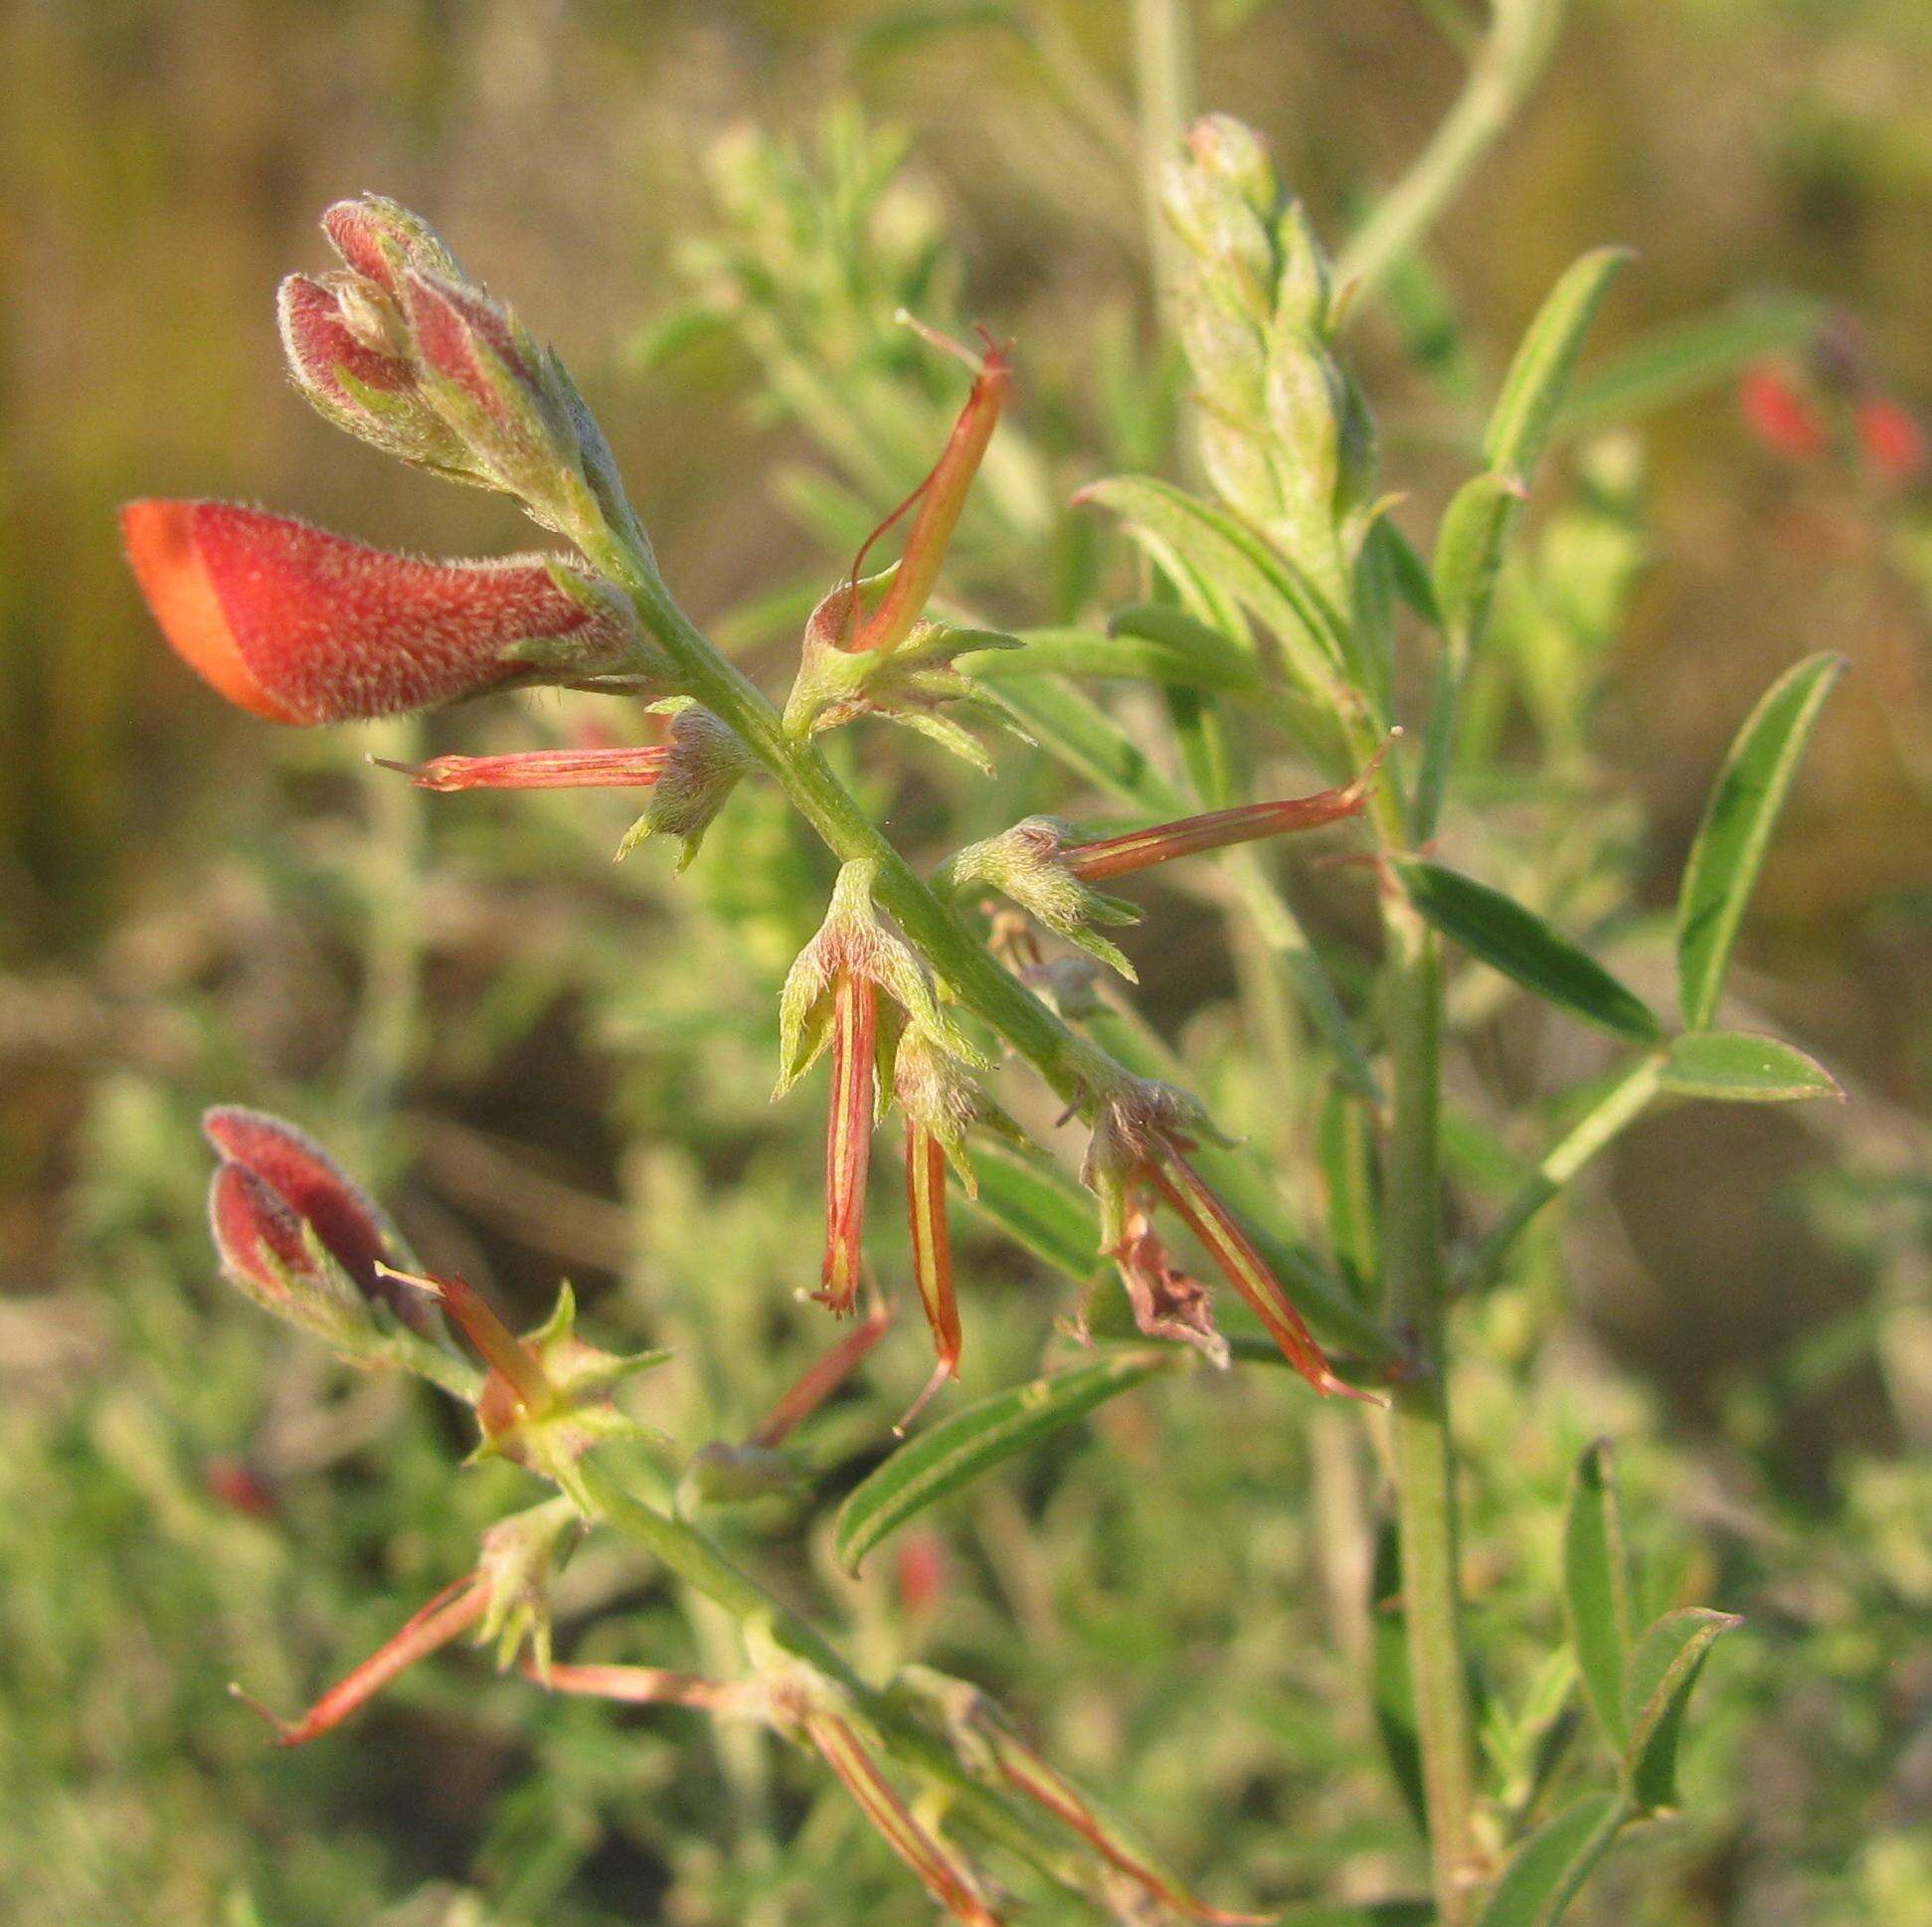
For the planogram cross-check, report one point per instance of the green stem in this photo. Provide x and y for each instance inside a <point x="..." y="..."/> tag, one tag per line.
<point x="1164" y="84"/>
<point x="1505" y="70"/>
<point x="700" y="1565"/>
<point x="1424" y="1463"/>
<point x="1075" y="1067"/>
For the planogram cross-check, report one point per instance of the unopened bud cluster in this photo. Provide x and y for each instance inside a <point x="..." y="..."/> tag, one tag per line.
<point x="1285" y="434"/>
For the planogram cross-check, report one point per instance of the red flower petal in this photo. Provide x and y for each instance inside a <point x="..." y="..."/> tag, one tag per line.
<point x="303" y="627"/>
<point x="848" y="1136"/>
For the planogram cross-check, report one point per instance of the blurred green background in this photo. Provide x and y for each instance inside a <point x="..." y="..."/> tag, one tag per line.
<point x="192" y="906"/>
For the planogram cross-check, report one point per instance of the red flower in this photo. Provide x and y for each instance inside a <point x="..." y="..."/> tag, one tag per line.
<point x="303" y="627"/>
<point x="1892" y="441"/>
<point x="1779" y="414"/>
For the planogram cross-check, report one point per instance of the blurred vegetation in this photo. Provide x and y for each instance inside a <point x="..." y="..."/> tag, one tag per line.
<point x="555" y="1066"/>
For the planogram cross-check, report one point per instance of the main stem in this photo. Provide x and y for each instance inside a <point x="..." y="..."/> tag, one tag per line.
<point x="1424" y="1461"/>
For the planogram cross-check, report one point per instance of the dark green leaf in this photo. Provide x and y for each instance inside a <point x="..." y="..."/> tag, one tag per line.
<point x="1661" y="1672"/>
<point x="1738" y="821"/>
<point x="1547" y="1871"/>
<point x="1401" y="1912"/>
<point x="1596" y="1587"/>
<point x="1737" y="1068"/>
<point x="1521" y="946"/>
<point x="1533" y="389"/>
<point x="1388" y="1675"/>
<point x="938" y="1462"/>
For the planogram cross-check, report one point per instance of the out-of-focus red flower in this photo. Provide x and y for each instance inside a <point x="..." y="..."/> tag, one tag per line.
<point x="1780" y="414"/>
<point x="303" y="627"/>
<point x="924" y="1572"/>
<point x="1892" y="441"/>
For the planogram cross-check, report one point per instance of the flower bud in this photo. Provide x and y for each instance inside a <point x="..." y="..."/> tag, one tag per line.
<point x="303" y="627"/>
<point x="295" y="1232"/>
<point x="379" y="240"/>
<point x="347" y="360"/>
<point x="1780" y="414"/>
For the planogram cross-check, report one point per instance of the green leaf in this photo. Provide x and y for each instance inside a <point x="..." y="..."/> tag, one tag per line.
<point x="1738" y="821"/>
<point x="1469" y="554"/>
<point x="1533" y="389"/>
<point x="1547" y="1871"/>
<point x="1039" y="1206"/>
<point x="1736" y="1068"/>
<point x="1596" y="1587"/>
<point x="938" y="1462"/>
<point x="1687" y="357"/>
<point x="1190" y="540"/>
<point x="1390" y="1688"/>
<point x="1120" y="653"/>
<point x="1661" y="1672"/>
<point x="1521" y="946"/>
<point x="1224" y="663"/>
<point x="1345" y="1146"/>
<point x="1407" y="571"/>
<point x="1077" y="732"/>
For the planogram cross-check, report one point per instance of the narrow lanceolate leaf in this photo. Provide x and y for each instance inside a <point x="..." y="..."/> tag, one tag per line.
<point x="1190" y="540"/>
<point x="1205" y="659"/>
<point x="1596" y="1586"/>
<point x="1469" y="555"/>
<point x="959" y="1448"/>
<point x="1736" y="1068"/>
<point x="1075" y="731"/>
<point x="1686" y="358"/>
<point x="1039" y="1206"/>
<point x="1738" y="821"/>
<point x="1656" y="1688"/>
<point x="1533" y="389"/>
<point x="1523" y="946"/>
<point x="1547" y="1871"/>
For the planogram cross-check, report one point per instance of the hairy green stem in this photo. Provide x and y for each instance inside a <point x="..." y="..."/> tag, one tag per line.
<point x="1075" y="1067"/>
<point x="1424" y="1460"/>
<point x="1505" y="68"/>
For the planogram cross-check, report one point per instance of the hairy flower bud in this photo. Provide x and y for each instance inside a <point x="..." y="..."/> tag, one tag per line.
<point x="344" y="355"/>
<point x="299" y="1235"/>
<point x="303" y="627"/>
